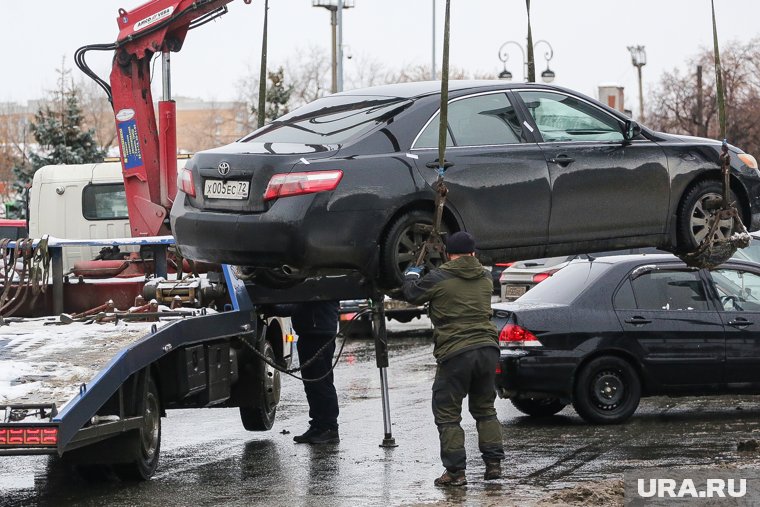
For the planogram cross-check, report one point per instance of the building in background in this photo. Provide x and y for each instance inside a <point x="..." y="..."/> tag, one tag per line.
<point x="613" y="95"/>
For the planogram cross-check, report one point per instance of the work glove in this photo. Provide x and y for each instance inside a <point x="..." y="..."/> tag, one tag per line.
<point x="413" y="273"/>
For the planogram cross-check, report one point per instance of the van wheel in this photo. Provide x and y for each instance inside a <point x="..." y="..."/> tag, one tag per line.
<point x="145" y="443"/>
<point x="538" y="407"/>
<point x="402" y="244"/>
<point x="264" y="393"/>
<point x="607" y="391"/>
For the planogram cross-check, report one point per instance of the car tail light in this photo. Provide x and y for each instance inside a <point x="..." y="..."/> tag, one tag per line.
<point x="513" y="335"/>
<point x="185" y="182"/>
<point x="540" y="277"/>
<point x="285" y="185"/>
<point x="503" y="264"/>
<point x="28" y="436"/>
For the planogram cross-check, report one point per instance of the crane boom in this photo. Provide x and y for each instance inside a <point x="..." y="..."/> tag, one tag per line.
<point x="148" y="150"/>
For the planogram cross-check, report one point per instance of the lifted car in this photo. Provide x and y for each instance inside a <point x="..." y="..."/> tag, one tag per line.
<point x="344" y="183"/>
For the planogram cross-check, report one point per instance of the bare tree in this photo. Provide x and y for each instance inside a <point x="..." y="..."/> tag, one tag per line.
<point x="97" y="112"/>
<point x="673" y="102"/>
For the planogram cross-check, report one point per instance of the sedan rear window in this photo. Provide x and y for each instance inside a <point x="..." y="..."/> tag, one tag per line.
<point x="329" y="120"/>
<point x="566" y="284"/>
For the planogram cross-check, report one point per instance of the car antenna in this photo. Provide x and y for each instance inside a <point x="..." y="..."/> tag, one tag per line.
<point x="591" y="258"/>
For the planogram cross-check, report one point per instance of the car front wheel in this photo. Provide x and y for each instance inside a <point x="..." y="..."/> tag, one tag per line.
<point x="607" y="391"/>
<point x="538" y="407"/>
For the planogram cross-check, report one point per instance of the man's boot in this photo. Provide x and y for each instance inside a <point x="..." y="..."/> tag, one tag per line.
<point x="451" y="479"/>
<point x="493" y="470"/>
<point x="317" y="436"/>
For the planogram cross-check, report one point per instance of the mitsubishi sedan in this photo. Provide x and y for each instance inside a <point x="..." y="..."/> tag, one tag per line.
<point x="344" y="184"/>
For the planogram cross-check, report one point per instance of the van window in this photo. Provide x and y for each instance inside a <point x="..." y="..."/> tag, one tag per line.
<point x="105" y="202"/>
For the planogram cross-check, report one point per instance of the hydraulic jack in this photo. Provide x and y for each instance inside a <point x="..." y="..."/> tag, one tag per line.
<point x="380" y="336"/>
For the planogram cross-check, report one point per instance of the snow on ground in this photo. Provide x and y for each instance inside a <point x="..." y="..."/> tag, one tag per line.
<point x="44" y="362"/>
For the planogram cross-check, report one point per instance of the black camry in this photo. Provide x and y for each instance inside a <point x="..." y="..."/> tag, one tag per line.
<point x="600" y="334"/>
<point x="344" y="183"/>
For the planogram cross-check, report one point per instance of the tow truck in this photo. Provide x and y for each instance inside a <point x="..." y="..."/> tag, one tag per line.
<point x="92" y="385"/>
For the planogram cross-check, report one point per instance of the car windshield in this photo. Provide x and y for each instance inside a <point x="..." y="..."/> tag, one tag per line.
<point x="329" y="120"/>
<point x="750" y="253"/>
<point x="566" y="284"/>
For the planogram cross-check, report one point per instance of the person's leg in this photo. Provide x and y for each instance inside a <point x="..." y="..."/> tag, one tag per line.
<point x="451" y="384"/>
<point x="321" y="395"/>
<point x="482" y="395"/>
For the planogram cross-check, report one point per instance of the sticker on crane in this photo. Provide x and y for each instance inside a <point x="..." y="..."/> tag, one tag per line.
<point x="153" y="18"/>
<point x="129" y="140"/>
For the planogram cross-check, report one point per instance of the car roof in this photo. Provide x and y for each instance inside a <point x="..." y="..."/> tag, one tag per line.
<point x="421" y="88"/>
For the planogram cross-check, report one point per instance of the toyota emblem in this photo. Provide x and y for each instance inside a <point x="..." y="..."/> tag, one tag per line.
<point x="224" y="168"/>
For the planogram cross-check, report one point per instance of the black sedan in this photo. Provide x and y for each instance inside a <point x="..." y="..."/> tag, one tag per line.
<point x="344" y="183"/>
<point x="601" y="334"/>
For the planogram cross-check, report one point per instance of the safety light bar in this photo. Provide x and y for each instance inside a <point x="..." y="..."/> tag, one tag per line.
<point x="286" y="185"/>
<point x="28" y="436"/>
<point x="185" y="182"/>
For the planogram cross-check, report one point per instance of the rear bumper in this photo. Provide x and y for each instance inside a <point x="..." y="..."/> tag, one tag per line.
<point x="297" y="231"/>
<point x="525" y="372"/>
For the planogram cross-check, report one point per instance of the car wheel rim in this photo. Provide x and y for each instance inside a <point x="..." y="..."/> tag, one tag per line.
<point x="151" y="427"/>
<point x="409" y="247"/>
<point x="271" y="384"/>
<point x="608" y="390"/>
<point x="701" y="221"/>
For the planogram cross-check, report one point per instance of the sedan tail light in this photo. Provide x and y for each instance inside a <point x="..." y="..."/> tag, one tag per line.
<point x="513" y="335"/>
<point x="540" y="277"/>
<point x="285" y="185"/>
<point x="185" y="182"/>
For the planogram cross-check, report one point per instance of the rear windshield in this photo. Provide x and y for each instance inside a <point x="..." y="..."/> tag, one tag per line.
<point x="329" y="120"/>
<point x="566" y="284"/>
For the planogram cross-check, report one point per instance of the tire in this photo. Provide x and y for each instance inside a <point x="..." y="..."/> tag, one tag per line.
<point x="264" y="393"/>
<point x="401" y="246"/>
<point x="607" y="391"/>
<point x="692" y="226"/>
<point x="145" y="443"/>
<point x="538" y="407"/>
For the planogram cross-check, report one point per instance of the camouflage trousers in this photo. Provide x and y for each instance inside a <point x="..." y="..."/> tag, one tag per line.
<point x="470" y="374"/>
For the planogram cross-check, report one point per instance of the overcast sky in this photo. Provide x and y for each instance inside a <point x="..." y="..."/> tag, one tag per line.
<point x="589" y="38"/>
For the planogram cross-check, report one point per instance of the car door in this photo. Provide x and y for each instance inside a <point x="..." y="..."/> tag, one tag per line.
<point x="738" y="290"/>
<point x="601" y="187"/>
<point x="679" y="334"/>
<point x="499" y="180"/>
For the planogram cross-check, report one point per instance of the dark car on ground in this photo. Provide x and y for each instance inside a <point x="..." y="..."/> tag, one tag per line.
<point x="601" y="334"/>
<point x="344" y="183"/>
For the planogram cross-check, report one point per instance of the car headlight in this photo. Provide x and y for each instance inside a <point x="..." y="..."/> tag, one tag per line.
<point x="748" y="160"/>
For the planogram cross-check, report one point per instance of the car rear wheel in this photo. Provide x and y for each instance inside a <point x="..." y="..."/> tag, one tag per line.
<point x="695" y="216"/>
<point x="607" y="391"/>
<point x="538" y="407"/>
<point x="402" y="245"/>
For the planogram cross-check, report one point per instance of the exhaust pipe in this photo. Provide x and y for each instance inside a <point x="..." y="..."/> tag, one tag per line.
<point x="289" y="270"/>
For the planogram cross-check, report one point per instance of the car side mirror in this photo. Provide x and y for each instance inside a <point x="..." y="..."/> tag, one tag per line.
<point x="631" y="129"/>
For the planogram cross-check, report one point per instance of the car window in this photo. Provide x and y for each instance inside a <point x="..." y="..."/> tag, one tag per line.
<point x="750" y="253"/>
<point x="103" y="202"/>
<point x="567" y="283"/>
<point x="560" y="117"/>
<point x="624" y="299"/>
<point x="669" y="290"/>
<point x="476" y="121"/>
<point x="738" y="290"/>
<point x="330" y="120"/>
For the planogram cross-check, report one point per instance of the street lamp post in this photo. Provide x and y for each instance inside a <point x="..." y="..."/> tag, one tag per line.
<point x="336" y="20"/>
<point x="547" y="76"/>
<point x="639" y="59"/>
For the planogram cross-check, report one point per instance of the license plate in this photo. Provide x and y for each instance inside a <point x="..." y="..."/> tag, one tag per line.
<point x="218" y="189"/>
<point x="515" y="291"/>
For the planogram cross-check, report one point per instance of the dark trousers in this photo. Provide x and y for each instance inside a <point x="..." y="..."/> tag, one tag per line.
<point x="472" y="374"/>
<point x="321" y="395"/>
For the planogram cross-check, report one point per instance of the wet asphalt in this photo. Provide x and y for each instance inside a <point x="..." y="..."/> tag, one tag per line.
<point x="207" y="458"/>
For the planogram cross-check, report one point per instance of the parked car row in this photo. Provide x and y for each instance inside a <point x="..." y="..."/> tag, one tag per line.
<point x="603" y="332"/>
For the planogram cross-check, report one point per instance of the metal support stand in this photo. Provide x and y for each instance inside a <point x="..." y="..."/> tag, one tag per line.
<point x="381" y="357"/>
<point x="56" y="262"/>
<point x="159" y="261"/>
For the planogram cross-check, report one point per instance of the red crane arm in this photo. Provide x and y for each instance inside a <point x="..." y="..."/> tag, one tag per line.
<point x="149" y="151"/>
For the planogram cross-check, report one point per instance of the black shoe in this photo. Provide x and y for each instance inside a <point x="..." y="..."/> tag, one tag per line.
<point x="451" y="479"/>
<point x="493" y="470"/>
<point x="317" y="436"/>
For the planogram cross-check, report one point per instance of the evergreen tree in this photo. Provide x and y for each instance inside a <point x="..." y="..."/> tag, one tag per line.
<point x="60" y="136"/>
<point x="277" y="96"/>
